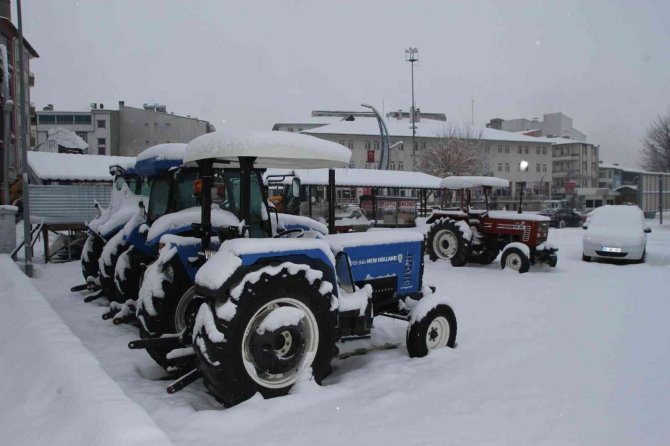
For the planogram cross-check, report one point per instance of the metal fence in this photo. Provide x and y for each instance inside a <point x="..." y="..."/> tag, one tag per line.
<point x="654" y="191"/>
<point x="67" y="204"/>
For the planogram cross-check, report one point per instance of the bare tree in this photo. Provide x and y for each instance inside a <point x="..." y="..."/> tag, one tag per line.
<point x="455" y="151"/>
<point x="656" y="145"/>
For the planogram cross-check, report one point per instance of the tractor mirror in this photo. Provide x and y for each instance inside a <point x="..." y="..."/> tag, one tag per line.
<point x="647" y="230"/>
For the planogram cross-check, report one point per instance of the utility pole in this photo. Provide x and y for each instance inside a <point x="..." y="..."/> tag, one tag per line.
<point x="411" y="56"/>
<point x="27" y="240"/>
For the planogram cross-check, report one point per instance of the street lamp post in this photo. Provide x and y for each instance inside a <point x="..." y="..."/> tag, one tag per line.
<point x="523" y="167"/>
<point x="411" y="56"/>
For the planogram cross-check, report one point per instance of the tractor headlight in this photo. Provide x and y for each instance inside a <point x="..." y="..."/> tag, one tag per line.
<point x="209" y="253"/>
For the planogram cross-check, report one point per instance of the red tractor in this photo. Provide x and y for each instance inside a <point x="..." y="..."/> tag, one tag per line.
<point x="463" y="234"/>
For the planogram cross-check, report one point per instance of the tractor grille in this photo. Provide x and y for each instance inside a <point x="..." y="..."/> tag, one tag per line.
<point x="611" y="254"/>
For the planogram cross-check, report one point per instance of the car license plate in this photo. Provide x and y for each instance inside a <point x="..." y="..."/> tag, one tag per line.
<point x="607" y="249"/>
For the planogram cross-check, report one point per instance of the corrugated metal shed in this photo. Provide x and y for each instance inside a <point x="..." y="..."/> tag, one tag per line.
<point x="67" y="204"/>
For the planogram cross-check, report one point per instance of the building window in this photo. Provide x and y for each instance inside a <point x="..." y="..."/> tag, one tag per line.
<point x="500" y="148"/>
<point x="537" y="168"/>
<point x="350" y="144"/>
<point x="392" y="166"/>
<point x="82" y="119"/>
<point x="400" y="165"/>
<point x="102" y="141"/>
<point x="499" y="167"/>
<point x="64" y="119"/>
<point x="423" y="145"/>
<point x="525" y="150"/>
<point x="367" y="145"/>
<point x="83" y="135"/>
<point x="343" y="143"/>
<point x="167" y="124"/>
<point x="506" y="149"/>
<point x="506" y="167"/>
<point x="47" y="119"/>
<point x="537" y="150"/>
<point x="102" y="124"/>
<point x="290" y="129"/>
<point x="376" y="145"/>
<point x="519" y="149"/>
<point x="544" y="167"/>
<point x="487" y="149"/>
<point x="544" y="150"/>
<point x="416" y="146"/>
<point x="351" y="164"/>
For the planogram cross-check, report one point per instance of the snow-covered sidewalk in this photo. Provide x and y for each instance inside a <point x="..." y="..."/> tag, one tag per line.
<point x="53" y="390"/>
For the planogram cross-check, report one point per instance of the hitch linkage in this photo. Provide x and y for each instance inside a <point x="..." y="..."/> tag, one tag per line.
<point x="167" y="342"/>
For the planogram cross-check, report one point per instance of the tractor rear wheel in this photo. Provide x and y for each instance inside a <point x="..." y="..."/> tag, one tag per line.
<point x="128" y="274"/>
<point x="170" y="309"/>
<point x="281" y="325"/>
<point x="107" y="263"/>
<point x="90" y="255"/>
<point x="436" y="329"/>
<point x="446" y="241"/>
<point x="515" y="259"/>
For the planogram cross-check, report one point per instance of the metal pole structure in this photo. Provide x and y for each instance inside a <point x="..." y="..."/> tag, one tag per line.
<point x="386" y="143"/>
<point x="27" y="239"/>
<point x="660" y="198"/>
<point x="7" y="112"/>
<point x="331" y="201"/>
<point x="412" y="55"/>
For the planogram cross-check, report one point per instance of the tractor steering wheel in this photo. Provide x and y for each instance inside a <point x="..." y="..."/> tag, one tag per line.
<point x="291" y="233"/>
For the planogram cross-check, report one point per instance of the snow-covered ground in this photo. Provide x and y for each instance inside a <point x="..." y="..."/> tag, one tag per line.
<point x="579" y="354"/>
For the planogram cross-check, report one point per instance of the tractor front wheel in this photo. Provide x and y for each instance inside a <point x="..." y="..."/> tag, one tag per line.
<point x="90" y="255"/>
<point x="515" y="259"/>
<point x="447" y="241"/>
<point x="280" y="325"/>
<point x="435" y="330"/>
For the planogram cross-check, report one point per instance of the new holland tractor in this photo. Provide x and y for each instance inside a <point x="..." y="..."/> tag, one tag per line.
<point x="269" y="304"/>
<point x="466" y="235"/>
<point x="125" y="196"/>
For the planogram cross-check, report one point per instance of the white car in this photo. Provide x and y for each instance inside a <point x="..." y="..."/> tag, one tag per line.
<point x="615" y="233"/>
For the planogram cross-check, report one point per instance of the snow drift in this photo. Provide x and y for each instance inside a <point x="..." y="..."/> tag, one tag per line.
<point x="53" y="390"/>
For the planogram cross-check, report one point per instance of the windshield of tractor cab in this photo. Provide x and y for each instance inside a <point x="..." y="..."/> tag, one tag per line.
<point x="184" y="197"/>
<point x="259" y="225"/>
<point x="158" y="197"/>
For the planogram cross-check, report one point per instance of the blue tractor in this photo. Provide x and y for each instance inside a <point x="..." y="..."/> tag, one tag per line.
<point x="126" y="194"/>
<point x="267" y="305"/>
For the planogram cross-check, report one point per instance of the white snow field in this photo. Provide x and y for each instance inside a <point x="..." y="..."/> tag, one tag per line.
<point x="579" y="354"/>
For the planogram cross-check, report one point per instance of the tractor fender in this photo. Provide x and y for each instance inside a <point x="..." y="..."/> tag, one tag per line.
<point x="518" y="245"/>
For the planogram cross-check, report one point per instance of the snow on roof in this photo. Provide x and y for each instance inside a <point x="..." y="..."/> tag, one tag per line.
<point x="310" y="120"/>
<point x="619" y="167"/>
<point x="401" y="128"/>
<point x="66" y="138"/>
<point x="365" y="177"/>
<point x="455" y="182"/>
<point x="67" y="166"/>
<point x="560" y="140"/>
<point x="270" y="148"/>
<point x="163" y="152"/>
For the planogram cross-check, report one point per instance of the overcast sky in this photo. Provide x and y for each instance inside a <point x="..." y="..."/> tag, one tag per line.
<point x="253" y="63"/>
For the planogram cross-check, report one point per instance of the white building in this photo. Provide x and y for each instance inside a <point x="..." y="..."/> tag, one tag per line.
<point x="126" y="131"/>
<point x="553" y="125"/>
<point x="503" y="151"/>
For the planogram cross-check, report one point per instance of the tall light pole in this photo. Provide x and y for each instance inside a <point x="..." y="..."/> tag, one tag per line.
<point x="411" y="56"/>
<point x="27" y="242"/>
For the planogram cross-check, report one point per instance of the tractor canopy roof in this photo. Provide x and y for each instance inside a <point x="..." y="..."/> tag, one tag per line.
<point x="269" y="148"/>
<point x="159" y="159"/>
<point x="455" y="182"/>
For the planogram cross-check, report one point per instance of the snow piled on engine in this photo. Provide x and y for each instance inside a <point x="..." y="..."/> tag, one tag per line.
<point x="54" y="391"/>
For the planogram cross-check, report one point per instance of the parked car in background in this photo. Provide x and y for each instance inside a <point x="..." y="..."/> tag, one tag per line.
<point x="615" y="233"/>
<point x="563" y="217"/>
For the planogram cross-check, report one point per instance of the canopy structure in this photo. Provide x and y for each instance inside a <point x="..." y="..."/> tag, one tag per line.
<point x="269" y="148"/>
<point x="455" y="182"/>
<point x="159" y="158"/>
<point x="49" y="166"/>
<point x="364" y="178"/>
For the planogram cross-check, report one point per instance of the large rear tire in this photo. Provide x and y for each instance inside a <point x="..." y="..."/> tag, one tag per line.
<point x="90" y="255"/>
<point x="446" y="241"/>
<point x="157" y="313"/>
<point x="128" y="274"/>
<point x="107" y="264"/>
<point x="257" y="349"/>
